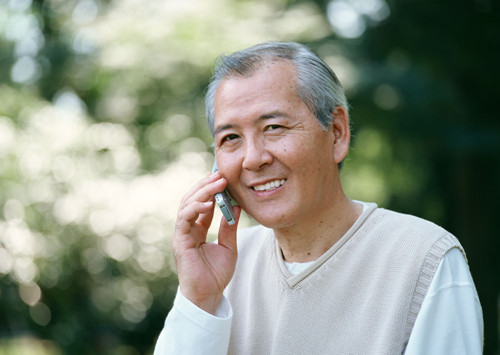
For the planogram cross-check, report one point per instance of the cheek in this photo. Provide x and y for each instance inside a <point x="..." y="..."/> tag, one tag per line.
<point x="296" y="153"/>
<point x="229" y="166"/>
<point x="311" y="161"/>
<point x="288" y="148"/>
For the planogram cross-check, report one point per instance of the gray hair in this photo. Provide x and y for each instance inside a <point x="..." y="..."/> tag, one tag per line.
<point x="318" y="86"/>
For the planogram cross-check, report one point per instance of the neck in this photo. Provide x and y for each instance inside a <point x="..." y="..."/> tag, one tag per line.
<point x="308" y="241"/>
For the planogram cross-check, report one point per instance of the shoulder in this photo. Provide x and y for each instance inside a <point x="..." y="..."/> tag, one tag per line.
<point x="408" y="234"/>
<point x="391" y="222"/>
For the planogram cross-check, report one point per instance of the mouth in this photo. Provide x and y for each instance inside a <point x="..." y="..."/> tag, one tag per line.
<point x="271" y="185"/>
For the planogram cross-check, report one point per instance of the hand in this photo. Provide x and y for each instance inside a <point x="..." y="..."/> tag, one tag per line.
<point x="204" y="269"/>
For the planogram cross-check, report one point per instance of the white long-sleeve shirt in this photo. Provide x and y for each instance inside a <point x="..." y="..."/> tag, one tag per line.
<point x="449" y="322"/>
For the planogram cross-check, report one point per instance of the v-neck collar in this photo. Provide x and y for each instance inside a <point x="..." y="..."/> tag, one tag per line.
<point x="293" y="280"/>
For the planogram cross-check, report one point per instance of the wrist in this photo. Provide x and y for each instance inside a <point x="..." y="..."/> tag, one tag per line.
<point x="207" y="303"/>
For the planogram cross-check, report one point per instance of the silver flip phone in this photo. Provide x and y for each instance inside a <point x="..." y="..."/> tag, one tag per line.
<point x="224" y="201"/>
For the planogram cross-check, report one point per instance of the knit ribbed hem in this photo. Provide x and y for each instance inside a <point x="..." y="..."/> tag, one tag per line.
<point x="427" y="272"/>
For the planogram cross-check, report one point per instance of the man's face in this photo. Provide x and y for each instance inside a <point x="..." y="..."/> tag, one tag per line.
<point x="278" y="160"/>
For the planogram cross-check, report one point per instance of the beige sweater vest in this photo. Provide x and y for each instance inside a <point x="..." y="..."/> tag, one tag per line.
<point x="361" y="297"/>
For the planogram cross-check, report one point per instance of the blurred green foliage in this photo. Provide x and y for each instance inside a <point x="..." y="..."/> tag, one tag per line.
<point x="102" y="130"/>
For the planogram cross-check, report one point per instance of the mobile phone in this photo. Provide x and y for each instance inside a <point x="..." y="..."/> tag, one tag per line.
<point x="223" y="200"/>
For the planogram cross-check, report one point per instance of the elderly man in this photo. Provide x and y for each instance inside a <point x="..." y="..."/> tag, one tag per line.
<point x="320" y="273"/>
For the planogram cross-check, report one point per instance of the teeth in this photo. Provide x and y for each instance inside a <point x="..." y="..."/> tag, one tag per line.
<point x="270" y="185"/>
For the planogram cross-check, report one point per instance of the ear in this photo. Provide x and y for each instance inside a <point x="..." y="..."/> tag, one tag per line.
<point x="341" y="132"/>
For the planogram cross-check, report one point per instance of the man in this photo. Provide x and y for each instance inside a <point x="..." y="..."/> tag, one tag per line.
<point x="320" y="274"/>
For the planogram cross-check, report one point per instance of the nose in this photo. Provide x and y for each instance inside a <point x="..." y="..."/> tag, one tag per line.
<point x="257" y="156"/>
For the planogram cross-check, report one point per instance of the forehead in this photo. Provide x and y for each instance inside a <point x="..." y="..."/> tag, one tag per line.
<point x="273" y="83"/>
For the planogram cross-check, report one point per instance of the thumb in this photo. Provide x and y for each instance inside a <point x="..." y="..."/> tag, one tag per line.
<point x="227" y="233"/>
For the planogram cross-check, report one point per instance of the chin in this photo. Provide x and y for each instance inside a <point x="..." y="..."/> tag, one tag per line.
<point x="273" y="221"/>
<point x="273" y="214"/>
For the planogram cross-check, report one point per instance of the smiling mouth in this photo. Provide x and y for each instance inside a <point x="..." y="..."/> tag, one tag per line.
<point x="269" y="186"/>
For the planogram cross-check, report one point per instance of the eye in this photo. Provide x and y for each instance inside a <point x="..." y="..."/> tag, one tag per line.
<point x="229" y="137"/>
<point x="273" y="127"/>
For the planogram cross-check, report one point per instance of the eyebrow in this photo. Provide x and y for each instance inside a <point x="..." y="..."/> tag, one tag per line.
<point x="223" y="128"/>
<point x="260" y="118"/>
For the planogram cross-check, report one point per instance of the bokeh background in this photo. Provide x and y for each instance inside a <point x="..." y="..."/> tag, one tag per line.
<point x="102" y="130"/>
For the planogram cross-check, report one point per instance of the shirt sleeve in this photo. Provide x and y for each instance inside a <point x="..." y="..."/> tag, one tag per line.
<point x="450" y="320"/>
<point x="189" y="330"/>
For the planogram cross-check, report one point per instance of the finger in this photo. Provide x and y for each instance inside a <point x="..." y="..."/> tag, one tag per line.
<point x="205" y="219"/>
<point x="187" y="216"/>
<point x="227" y="233"/>
<point x="206" y="193"/>
<point x="199" y="185"/>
